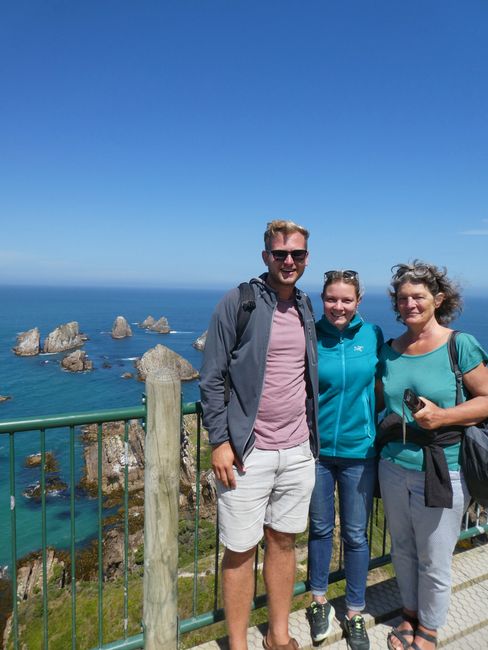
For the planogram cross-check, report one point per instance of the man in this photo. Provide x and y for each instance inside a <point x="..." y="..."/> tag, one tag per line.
<point x="264" y="436"/>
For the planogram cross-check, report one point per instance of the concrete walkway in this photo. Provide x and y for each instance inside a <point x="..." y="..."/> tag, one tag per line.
<point x="466" y="628"/>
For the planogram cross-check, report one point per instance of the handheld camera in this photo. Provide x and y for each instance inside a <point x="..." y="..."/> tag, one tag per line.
<point x="411" y="401"/>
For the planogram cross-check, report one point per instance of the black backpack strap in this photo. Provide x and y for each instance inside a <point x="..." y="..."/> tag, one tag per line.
<point x="247" y="303"/>
<point x="453" y="360"/>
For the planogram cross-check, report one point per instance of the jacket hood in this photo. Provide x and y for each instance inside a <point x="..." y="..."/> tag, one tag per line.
<point x="324" y="326"/>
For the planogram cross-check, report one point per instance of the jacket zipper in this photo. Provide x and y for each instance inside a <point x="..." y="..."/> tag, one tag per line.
<point x="339" y="410"/>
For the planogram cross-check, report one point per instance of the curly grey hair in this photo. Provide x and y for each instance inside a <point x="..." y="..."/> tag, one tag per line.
<point x="435" y="279"/>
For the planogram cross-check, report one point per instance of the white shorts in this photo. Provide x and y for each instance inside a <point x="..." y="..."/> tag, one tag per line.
<point x="274" y="491"/>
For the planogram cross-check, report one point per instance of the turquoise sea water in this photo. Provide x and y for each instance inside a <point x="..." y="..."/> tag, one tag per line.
<point x="38" y="386"/>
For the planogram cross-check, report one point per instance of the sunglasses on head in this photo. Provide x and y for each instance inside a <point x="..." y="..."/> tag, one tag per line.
<point x="418" y="271"/>
<point x="348" y="274"/>
<point x="298" y="255"/>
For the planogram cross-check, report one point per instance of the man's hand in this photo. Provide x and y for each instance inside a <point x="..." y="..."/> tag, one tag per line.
<point x="223" y="461"/>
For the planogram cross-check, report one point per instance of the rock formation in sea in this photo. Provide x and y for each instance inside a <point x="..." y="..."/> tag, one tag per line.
<point x="199" y="343"/>
<point x="50" y="461"/>
<point x="28" y="343"/>
<point x="147" y="323"/>
<point x="77" y="361"/>
<point x="53" y="485"/>
<point x="5" y="398"/>
<point x="161" y="357"/>
<point x="64" y="337"/>
<point x="127" y="375"/>
<point x="161" y="326"/>
<point x="121" y="328"/>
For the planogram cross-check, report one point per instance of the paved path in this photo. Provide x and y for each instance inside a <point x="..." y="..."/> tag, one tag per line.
<point x="466" y="627"/>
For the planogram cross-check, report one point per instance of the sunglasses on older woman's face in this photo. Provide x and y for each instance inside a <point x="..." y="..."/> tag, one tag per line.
<point x="298" y="255"/>
<point x="348" y="274"/>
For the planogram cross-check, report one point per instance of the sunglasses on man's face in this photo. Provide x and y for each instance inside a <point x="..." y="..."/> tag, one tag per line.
<point x="298" y="255"/>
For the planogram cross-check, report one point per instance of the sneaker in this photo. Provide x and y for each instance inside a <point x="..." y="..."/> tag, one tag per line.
<point x="355" y="632"/>
<point x="320" y="617"/>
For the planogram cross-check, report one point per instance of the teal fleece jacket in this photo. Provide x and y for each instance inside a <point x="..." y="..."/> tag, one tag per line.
<point x="347" y="361"/>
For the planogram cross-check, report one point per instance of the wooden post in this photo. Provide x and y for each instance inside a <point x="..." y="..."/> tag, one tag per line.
<point x="161" y="497"/>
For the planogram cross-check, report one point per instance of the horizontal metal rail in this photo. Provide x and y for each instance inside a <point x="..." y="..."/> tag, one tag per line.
<point x="71" y="419"/>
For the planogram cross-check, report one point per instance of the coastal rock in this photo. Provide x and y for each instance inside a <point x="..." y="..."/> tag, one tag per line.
<point x="5" y="398"/>
<point x="121" y="328"/>
<point x="53" y="486"/>
<point x="64" y="337"/>
<point x="113" y="457"/>
<point x="34" y="460"/>
<point x="147" y="322"/>
<point x="28" y="343"/>
<point x="199" y="343"/>
<point x="113" y="463"/>
<point x="77" y="361"/>
<point x="161" y="326"/>
<point x="162" y="357"/>
<point x="113" y="546"/>
<point x="29" y="574"/>
<point x="127" y="375"/>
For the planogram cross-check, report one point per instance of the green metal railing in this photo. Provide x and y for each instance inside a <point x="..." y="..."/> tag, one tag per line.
<point x="68" y="425"/>
<point x="69" y="422"/>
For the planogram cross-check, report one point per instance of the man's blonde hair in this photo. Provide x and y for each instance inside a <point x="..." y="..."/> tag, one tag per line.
<point x="283" y="227"/>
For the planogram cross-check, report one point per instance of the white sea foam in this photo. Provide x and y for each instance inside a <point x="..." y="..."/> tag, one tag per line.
<point x="180" y="332"/>
<point x="129" y="358"/>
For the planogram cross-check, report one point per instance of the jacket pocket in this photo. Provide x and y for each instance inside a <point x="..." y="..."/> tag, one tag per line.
<point x="368" y="429"/>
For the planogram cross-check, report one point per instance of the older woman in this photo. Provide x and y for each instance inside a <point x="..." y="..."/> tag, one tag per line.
<point x="423" y="489"/>
<point x="348" y="351"/>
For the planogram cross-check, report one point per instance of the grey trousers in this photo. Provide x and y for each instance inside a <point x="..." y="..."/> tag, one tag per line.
<point x="422" y="539"/>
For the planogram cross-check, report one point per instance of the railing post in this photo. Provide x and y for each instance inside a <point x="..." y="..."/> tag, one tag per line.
<point x="161" y="496"/>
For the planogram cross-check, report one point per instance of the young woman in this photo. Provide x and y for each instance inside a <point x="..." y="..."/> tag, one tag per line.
<point x="424" y="507"/>
<point x="347" y="358"/>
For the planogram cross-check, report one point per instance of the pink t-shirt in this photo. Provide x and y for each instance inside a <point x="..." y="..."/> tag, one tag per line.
<point x="281" y="421"/>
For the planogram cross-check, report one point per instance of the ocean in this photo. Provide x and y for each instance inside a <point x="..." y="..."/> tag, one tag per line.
<point x="38" y="385"/>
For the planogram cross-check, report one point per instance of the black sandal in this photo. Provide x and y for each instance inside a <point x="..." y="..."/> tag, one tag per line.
<point x="401" y="635"/>
<point x="428" y="637"/>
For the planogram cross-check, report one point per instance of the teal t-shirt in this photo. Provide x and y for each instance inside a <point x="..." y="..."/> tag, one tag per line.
<point x="430" y="375"/>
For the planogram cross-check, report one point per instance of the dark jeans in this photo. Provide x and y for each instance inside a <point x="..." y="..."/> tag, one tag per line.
<point x="355" y="479"/>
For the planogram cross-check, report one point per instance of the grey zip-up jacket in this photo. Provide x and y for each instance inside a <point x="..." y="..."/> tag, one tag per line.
<point x="246" y="367"/>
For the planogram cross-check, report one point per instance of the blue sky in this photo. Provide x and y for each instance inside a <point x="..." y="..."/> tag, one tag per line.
<point x="148" y="143"/>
